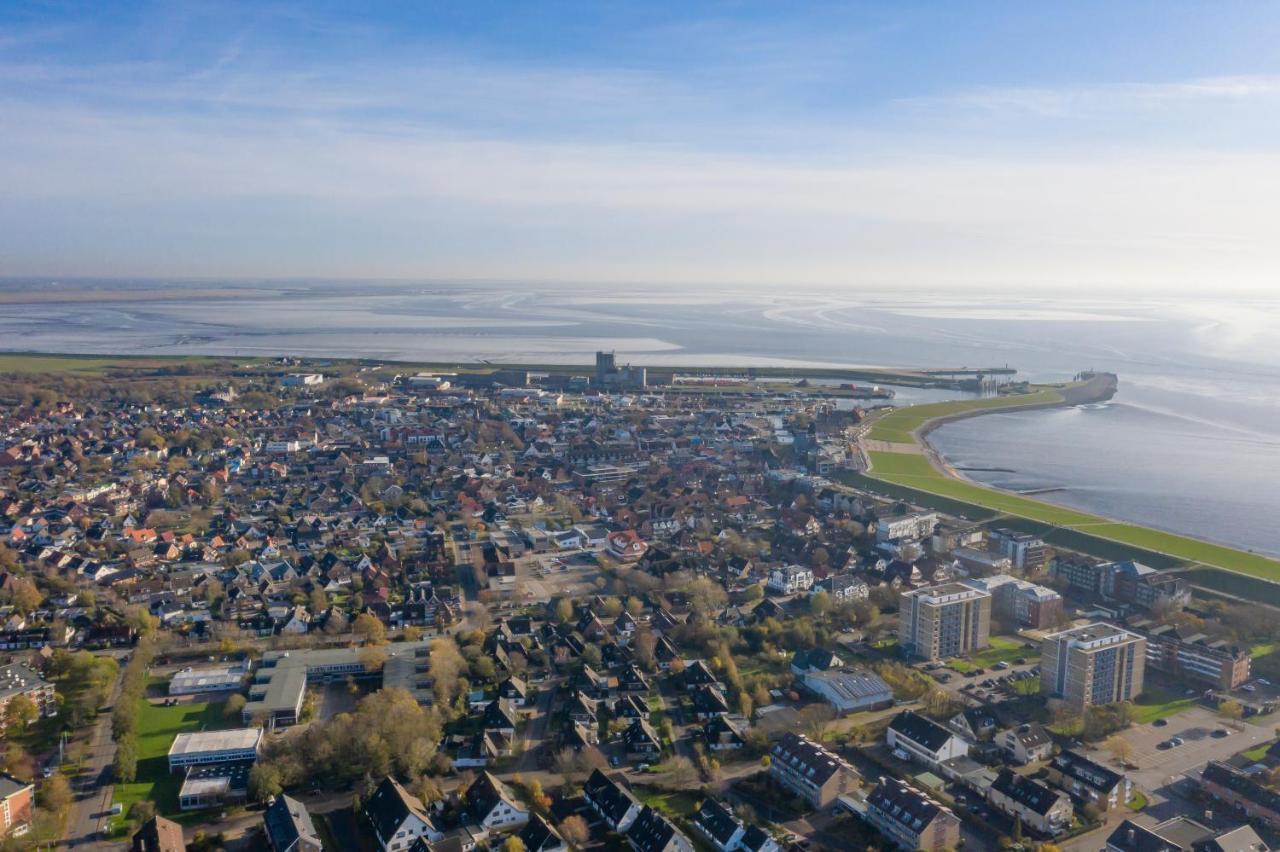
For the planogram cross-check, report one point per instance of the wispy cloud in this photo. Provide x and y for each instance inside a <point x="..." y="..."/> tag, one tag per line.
<point x="247" y="158"/>
<point x="1069" y="101"/>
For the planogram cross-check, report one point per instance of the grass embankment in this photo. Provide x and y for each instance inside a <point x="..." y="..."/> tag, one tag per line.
<point x="913" y="470"/>
<point x="157" y="727"/>
<point x="899" y="426"/>
<point x="1001" y="650"/>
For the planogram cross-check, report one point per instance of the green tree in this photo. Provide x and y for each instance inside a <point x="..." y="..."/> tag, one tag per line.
<point x="264" y="781"/>
<point x="55" y="792"/>
<point x="20" y="712"/>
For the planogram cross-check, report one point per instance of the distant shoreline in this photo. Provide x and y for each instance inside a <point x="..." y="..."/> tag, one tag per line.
<point x="924" y="377"/>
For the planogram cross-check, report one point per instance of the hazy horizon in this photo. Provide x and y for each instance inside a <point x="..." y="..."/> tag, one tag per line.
<point x="1034" y="148"/>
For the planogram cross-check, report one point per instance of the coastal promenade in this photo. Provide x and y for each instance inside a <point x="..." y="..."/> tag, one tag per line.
<point x="898" y="452"/>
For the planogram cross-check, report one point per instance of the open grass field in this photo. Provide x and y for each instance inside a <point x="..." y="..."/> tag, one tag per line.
<point x="1001" y="650"/>
<point x="157" y="726"/>
<point x="1159" y="704"/>
<point x="915" y="471"/>
<point x="899" y="426"/>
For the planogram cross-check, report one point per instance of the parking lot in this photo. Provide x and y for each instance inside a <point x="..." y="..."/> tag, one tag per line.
<point x="1195" y="726"/>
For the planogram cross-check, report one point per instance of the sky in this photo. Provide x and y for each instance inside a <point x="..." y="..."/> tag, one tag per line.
<point x="1033" y="147"/>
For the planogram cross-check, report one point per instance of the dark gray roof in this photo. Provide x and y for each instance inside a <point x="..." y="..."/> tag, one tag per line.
<point x="651" y="832"/>
<point x="716" y="820"/>
<point x="390" y="805"/>
<point x="918" y="729"/>
<point x="1086" y="771"/>
<point x="609" y="796"/>
<point x="287" y="821"/>
<point x="539" y="833"/>
<point x="1027" y="792"/>
<point x="903" y="804"/>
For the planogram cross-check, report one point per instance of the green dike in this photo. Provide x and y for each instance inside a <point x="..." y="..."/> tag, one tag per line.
<point x="913" y="470"/>
<point x="899" y="426"/>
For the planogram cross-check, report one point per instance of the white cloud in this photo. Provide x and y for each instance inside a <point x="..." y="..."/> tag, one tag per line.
<point x="450" y="166"/>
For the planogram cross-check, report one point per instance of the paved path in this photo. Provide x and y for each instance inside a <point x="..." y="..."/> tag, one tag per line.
<point x="92" y="788"/>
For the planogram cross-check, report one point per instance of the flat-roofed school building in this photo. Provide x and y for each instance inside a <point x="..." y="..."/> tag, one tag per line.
<point x="202" y="748"/>
<point x="191" y="681"/>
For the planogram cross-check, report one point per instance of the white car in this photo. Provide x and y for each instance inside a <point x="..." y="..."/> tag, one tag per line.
<point x="902" y="754"/>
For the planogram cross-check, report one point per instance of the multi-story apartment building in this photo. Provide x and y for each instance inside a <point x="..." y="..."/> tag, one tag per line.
<point x="812" y="772"/>
<point x="944" y="621"/>
<point x="1026" y="551"/>
<point x="1228" y="784"/>
<point x="1083" y="575"/>
<point x="906" y="527"/>
<point x="1094" y="664"/>
<point x="17" y="800"/>
<point x="909" y="819"/>
<point x="1193" y="655"/>
<point x="1130" y="583"/>
<point x="20" y="679"/>
<point x="1019" y="601"/>
<point x="790" y="579"/>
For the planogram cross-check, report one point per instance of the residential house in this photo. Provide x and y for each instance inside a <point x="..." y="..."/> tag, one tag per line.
<point x="492" y="804"/>
<point x="1183" y="834"/>
<point x="652" y="832"/>
<point x="159" y="835"/>
<point x="909" y="819"/>
<point x="1039" y="807"/>
<point x="924" y="740"/>
<point x="811" y="771"/>
<point x="288" y="826"/>
<point x="1026" y="743"/>
<point x="1088" y="782"/>
<point x="612" y="801"/>
<point x="1242" y="792"/>
<point x="398" y="818"/>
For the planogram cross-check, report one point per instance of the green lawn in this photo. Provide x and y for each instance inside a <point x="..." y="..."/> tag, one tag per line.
<point x="1159" y="704"/>
<point x="915" y="471"/>
<point x="899" y="426"/>
<point x="1262" y="649"/>
<point x="676" y="803"/>
<point x="1256" y="754"/>
<point x="157" y="727"/>
<point x="1000" y="650"/>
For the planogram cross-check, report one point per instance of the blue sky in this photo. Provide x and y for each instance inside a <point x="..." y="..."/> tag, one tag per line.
<point x="1016" y="145"/>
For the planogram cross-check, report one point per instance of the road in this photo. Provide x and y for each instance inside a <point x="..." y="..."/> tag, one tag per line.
<point x="535" y="729"/>
<point x="92" y="788"/>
